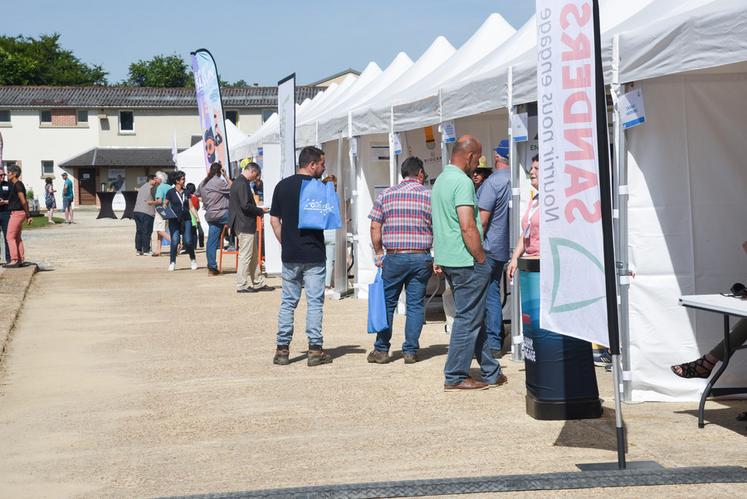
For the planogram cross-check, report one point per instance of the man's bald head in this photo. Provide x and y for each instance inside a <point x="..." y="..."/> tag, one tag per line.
<point x="466" y="153"/>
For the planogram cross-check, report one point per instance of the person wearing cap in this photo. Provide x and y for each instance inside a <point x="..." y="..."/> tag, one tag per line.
<point x="481" y="173"/>
<point x="67" y="197"/>
<point x="4" y="211"/>
<point x="492" y="200"/>
<point x="242" y="218"/>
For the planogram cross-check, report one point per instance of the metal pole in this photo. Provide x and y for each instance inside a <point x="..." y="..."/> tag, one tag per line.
<point x="341" y="267"/>
<point x="610" y="273"/>
<point x="517" y="355"/>
<point x="620" y="194"/>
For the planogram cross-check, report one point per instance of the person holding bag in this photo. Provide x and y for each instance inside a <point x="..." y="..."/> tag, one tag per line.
<point x="178" y="199"/>
<point x="303" y="259"/>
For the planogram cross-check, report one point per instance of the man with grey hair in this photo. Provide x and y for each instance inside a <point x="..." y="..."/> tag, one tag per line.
<point x="144" y="213"/>
<point x="242" y="218"/>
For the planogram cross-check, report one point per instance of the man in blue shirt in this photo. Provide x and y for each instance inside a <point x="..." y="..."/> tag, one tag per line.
<point x="492" y="200"/>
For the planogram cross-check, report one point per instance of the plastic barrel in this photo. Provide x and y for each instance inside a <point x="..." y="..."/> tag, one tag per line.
<point x="560" y="378"/>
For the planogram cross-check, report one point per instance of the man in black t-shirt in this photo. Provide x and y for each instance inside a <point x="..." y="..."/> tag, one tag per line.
<point x="303" y="259"/>
<point x="4" y="212"/>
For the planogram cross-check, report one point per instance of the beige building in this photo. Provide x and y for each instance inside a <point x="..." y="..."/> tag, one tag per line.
<point x="103" y="136"/>
<point x="335" y="78"/>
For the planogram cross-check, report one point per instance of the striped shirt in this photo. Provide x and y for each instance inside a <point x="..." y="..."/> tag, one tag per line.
<point x="404" y="211"/>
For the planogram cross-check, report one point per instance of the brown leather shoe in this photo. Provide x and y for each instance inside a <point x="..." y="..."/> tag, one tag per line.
<point x="410" y="358"/>
<point x="377" y="357"/>
<point x="502" y="380"/>
<point x="466" y="384"/>
<point x="317" y="356"/>
<point x="281" y="356"/>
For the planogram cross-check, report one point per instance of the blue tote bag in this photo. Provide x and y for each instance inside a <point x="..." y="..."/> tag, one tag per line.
<point x="317" y="206"/>
<point x="377" y="320"/>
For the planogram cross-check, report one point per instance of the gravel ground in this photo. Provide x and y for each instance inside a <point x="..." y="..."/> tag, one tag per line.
<point x="125" y="380"/>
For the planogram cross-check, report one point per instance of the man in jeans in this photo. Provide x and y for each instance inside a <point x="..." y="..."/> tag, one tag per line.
<point x="67" y="197"/>
<point x="457" y="242"/>
<point x="303" y="260"/>
<point x="242" y="218"/>
<point x="145" y="212"/>
<point x="401" y="223"/>
<point x="492" y="200"/>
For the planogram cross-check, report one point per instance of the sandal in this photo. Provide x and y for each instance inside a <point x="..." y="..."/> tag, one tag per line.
<point x="700" y="368"/>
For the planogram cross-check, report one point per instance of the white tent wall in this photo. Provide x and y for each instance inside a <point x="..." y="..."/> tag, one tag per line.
<point x="687" y="181"/>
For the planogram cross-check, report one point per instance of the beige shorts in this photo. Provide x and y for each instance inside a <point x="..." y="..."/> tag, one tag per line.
<point x="159" y="224"/>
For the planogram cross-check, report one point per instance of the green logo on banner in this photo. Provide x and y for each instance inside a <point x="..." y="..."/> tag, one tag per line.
<point x="555" y="245"/>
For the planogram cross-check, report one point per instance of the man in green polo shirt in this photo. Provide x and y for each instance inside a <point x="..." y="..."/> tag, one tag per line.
<point x="457" y="244"/>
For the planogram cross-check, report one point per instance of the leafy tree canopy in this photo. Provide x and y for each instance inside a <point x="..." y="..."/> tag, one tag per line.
<point x="161" y="71"/>
<point x="30" y="61"/>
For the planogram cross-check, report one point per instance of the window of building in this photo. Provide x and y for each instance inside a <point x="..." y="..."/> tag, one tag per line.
<point x="266" y="113"/>
<point x="126" y="121"/>
<point x="233" y="117"/>
<point x="4" y="116"/>
<point x="82" y="115"/>
<point x="47" y="168"/>
<point x="45" y="116"/>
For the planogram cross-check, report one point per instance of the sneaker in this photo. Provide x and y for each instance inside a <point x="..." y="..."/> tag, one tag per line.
<point x="213" y="271"/>
<point x="51" y="222"/>
<point x="193" y="266"/>
<point x="172" y="266"/>
<point x="410" y="358"/>
<point x="147" y="253"/>
<point x="282" y="356"/>
<point x="138" y="253"/>
<point x="377" y="357"/>
<point x="265" y="288"/>
<point x="317" y="356"/>
<point x="246" y="290"/>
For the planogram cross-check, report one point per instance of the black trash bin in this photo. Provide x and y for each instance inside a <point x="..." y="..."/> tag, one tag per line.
<point x="560" y="378"/>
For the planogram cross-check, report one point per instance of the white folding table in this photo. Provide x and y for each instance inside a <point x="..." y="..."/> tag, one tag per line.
<point x="726" y="306"/>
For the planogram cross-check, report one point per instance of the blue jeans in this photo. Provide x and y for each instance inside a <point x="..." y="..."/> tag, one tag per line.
<point x="411" y="270"/>
<point x="311" y="277"/>
<point x="468" y="337"/>
<point x="4" y="219"/>
<point x="494" y="312"/>
<point x="214" y="230"/>
<point x="177" y="229"/>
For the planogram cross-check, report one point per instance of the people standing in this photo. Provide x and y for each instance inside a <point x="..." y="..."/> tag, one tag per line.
<point x="68" y="195"/>
<point x="19" y="212"/>
<point x="214" y="192"/>
<point x="49" y="199"/>
<point x="242" y="218"/>
<point x="303" y="258"/>
<point x="159" y="224"/>
<point x="4" y="211"/>
<point x="457" y="241"/>
<point x="529" y="241"/>
<point x="145" y="212"/>
<point x="401" y="225"/>
<point x="178" y="199"/>
<point x="493" y="199"/>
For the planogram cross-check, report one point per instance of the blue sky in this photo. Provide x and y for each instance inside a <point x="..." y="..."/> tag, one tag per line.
<point x="258" y="41"/>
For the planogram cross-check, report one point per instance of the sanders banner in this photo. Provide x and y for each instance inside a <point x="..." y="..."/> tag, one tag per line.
<point x="572" y="291"/>
<point x="209" y="104"/>
<point x="287" y="116"/>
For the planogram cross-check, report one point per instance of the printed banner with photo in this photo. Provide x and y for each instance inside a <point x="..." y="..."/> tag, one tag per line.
<point x="572" y="291"/>
<point x="287" y="117"/>
<point x="210" y="107"/>
<point x="116" y="179"/>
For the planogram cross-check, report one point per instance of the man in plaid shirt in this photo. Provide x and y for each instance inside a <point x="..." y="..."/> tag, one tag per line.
<point x="401" y="224"/>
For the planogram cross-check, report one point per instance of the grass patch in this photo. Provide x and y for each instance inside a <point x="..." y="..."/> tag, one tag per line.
<point x="40" y="222"/>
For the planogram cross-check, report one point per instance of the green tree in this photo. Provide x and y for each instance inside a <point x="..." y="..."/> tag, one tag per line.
<point x="161" y="71"/>
<point x="30" y="61"/>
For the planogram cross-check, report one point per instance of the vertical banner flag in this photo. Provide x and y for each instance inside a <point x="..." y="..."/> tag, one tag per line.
<point x="572" y="291"/>
<point x="210" y="106"/>
<point x="287" y="116"/>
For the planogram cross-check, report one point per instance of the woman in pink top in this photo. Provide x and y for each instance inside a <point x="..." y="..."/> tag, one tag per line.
<point x="529" y="241"/>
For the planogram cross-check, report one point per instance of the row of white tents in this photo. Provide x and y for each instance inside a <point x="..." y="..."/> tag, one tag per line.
<point x="680" y="178"/>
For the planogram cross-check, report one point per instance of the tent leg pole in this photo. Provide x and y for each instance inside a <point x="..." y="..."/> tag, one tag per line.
<point x="341" y="253"/>
<point x="619" y="426"/>
<point x="516" y="325"/>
